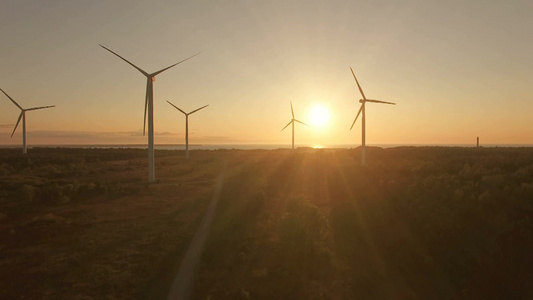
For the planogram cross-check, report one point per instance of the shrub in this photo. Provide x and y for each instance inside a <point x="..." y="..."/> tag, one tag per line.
<point x="27" y="193"/>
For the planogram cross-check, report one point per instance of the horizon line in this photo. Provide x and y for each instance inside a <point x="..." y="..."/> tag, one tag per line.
<point x="271" y="144"/>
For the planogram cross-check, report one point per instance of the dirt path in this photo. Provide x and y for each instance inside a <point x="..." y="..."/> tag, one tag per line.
<point x="183" y="282"/>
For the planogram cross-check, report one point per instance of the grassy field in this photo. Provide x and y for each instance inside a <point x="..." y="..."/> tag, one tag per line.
<point x="84" y="224"/>
<point x="416" y="223"/>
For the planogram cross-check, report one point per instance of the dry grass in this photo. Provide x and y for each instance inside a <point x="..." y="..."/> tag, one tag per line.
<point x="416" y="223"/>
<point x="122" y="240"/>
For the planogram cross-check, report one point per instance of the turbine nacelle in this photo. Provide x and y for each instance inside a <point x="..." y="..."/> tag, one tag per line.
<point x="22" y="117"/>
<point x="149" y="108"/>
<point x="187" y="125"/>
<point x="375" y="101"/>
<point x="150" y="80"/>
<point x="293" y="120"/>
<point x="190" y="113"/>
<point x="362" y="111"/>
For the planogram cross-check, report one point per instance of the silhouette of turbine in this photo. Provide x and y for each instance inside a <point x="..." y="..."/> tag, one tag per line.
<point x="23" y="117"/>
<point x="149" y="109"/>
<point x="187" y="126"/>
<point x="292" y="122"/>
<point x="362" y="109"/>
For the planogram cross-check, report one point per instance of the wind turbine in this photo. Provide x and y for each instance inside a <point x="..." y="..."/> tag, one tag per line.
<point x="149" y="105"/>
<point x="23" y="117"/>
<point x="187" y="126"/>
<point x="362" y="109"/>
<point x="292" y="122"/>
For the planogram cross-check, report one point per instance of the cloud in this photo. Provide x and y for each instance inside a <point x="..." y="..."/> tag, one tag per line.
<point x="135" y="133"/>
<point x="53" y="137"/>
<point x="64" y="134"/>
<point x="218" y="139"/>
<point x="164" y="133"/>
<point x="140" y="133"/>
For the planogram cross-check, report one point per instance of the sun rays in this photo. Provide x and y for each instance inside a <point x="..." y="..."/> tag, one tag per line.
<point x="319" y="116"/>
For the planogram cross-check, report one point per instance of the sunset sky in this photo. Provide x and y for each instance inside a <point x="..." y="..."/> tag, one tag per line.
<point x="456" y="69"/>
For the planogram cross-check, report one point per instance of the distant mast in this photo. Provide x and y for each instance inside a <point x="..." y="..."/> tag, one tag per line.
<point x="478" y="141"/>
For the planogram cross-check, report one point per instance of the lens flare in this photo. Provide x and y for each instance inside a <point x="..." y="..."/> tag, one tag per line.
<point x="319" y="115"/>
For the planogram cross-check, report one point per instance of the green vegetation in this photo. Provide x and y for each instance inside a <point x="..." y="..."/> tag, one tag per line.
<point x="51" y="176"/>
<point x="422" y="223"/>
<point x="416" y="223"/>
<point x="84" y="224"/>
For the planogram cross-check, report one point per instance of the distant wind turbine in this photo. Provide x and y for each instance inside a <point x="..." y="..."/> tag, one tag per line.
<point x="292" y="122"/>
<point x="362" y="109"/>
<point x="23" y="117"/>
<point x="187" y="126"/>
<point x="149" y="105"/>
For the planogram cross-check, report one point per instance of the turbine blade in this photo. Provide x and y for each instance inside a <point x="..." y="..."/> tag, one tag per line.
<point x="292" y="111"/>
<point x="18" y="121"/>
<point x="287" y="125"/>
<point x="11" y="99"/>
<point x="177" y="108"/>
<point x="36" y="108"/>
<point x="149" y="81"/>
<point x="301" y="122"/>
<point x="139" y="69"/>
<point x="360" y="109"/>
<point x="153" y="74"/>
<point x="192" y="112"/>
<point x="360" y="89"/>
<point x="379" y="101"/>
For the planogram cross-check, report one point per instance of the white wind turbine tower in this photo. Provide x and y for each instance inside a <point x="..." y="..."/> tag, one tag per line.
<point x="362" y="109"/>
<point x="292" y="122"/>
<point x="23" y="117"/>
<point x="187" y="126"/>
<point x="149" y="105"/>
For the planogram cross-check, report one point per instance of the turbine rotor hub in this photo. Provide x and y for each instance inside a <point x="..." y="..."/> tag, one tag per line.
<point x="361" y="100"/>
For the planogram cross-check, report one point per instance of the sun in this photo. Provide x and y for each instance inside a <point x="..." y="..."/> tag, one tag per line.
<point x="319" y="115"/>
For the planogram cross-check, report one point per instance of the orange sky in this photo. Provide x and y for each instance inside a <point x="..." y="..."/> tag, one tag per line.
<point x="456" y="70"/>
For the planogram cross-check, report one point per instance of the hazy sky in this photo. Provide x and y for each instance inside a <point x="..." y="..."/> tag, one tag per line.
<point x="456" y="69"/>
